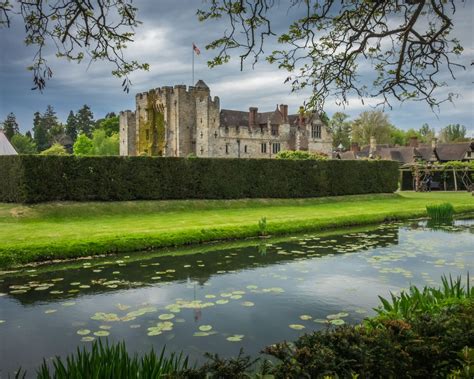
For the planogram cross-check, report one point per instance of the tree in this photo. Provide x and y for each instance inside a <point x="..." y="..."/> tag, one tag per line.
<point x="110" y="125"/>
<point x="71" y="126"/>
<point x="99" y="30"/>
<point x="85" y="121"/>
<point x="40" y="133"/>
<point x="83" y="145"/>
<point x="407" y="42"/>
<point x="341" y="130"/>
<point x="105" y="145"/>
<point x="23" y="144"/>
<point x="397" y="136"/>
<point x="10" y="126"/>
<point x="372" y="124"/>
<point x="427" y="133"/>
<point x="55" y="149"/>
<point x="453" y="133"/>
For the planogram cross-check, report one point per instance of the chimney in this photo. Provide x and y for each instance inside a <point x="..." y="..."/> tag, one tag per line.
<point x="284" y="112"/>
<point x="373" y="146"/>
<point x="301" y="116"/>
<point x="413" y="141"/>
<point x="434" y="143"/>
<point x="253" y="116"/>
<point x="355" y="147"/>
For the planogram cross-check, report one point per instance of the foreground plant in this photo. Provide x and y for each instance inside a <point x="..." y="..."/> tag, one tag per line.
<point x="440" y="212"/>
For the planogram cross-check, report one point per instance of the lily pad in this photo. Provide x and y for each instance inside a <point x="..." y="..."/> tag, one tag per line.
<point x="101" y="333"/>
<point x="235" y="338"/>
<point x="48" y="311"/>
<point x="201" y="334"/>
<point x="83" y="332"/>
<point x="205" y="328"/>
<point x="305" y="317"/>
<point x="248" y="304"/>
<point x="296" y="326"/>
<point x="166" y="316"/>
<point x="337" y="322"/>
<point x="222" y="301"/>
<point x="236" y="297"/>
<point x="87" y="339"/>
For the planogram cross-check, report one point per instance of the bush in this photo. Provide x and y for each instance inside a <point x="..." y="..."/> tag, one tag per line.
<point x="440" y="212"/>
<point x="33" y="178"/>
<point x="298" y="154"/>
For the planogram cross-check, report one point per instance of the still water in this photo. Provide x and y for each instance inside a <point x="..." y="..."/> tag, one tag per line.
<point x="223" y="297"/>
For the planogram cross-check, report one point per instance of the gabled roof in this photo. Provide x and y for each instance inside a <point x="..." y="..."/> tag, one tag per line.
<point x="6" y="147"/>
<point x="452" y="151"/>
<point x="200" y="84"/>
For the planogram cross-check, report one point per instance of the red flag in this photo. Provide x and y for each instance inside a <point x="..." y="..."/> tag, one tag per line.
<point x="196" y="49"/>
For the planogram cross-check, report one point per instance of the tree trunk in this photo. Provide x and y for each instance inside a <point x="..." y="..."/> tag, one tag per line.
<point x="455" y="180"/>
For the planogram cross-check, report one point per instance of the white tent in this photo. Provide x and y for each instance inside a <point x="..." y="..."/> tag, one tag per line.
<point x="6" y="147"/>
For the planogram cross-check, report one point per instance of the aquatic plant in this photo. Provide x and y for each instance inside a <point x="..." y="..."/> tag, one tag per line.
<point x="440" y="212"/>
<point x="413" y="302"/>
<point x="112" y="362"/>
<point x="262" y="227"/>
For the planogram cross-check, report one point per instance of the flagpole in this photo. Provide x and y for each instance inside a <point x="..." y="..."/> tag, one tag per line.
<point x="192" y="52"/>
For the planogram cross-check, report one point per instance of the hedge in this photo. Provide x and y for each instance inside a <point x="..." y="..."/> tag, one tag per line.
<point x="33" y="178"/>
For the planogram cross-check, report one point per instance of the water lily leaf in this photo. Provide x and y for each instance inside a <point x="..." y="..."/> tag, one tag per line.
<point x="252" y="287"/>
<point x="135" y="326"/>
<point x="306" y="317"/>
<point x="101" y="333"/>
<point x="222" y="301"/>
<point x="337" y="322"/>
<point x="87" y="339"/>
<point x="205" y="328"/>
<point x="68" y="303"/>
<point x="2" y="321"/>
<point x="296" y="326"/>
<point x="17" y="292"/>
<point x="48" y="311"/>
<point x="166" y="316"/>
<point x="105" y="327"/>
<point x="75" y="283"/>
<point x="83" y="332"/>
<point x="109" y="317"/>
<point x="56" y="292"/>
<point x="84" y="286"/>
<point x="210" y="296"/>
<point x="236" y="297"/>
<point x="123" y="307"/>
<point x="238" y="292"/>
<point x="248" y="304"/>
<point x="320" y="321"/>
<point x="235" y="338"/>
<point x="201" y="334"/>
<point x="226" y="294"/>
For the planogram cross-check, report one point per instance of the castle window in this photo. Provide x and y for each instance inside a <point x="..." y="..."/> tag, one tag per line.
<point x="315" y="131"/>
<point x="263" y="148"/>
<point x="147" y="134"/>
<point x="215" y="135"/>
<point x="276" y="148"/>
<point x="201" y="120"/>
<point x="274" y="130"/>
<point x="245" y="149"/>
<point x="261" y="129"/>
<point x="201" y="134"/>
<point x="227" y="148"/>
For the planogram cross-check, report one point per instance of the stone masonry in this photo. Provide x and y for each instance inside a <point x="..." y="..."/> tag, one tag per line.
<point x="179" y="122"/>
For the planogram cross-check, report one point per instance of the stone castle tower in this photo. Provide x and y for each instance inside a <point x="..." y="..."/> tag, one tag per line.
<point x="170" y="121"/>
<point x="179" y="121"/>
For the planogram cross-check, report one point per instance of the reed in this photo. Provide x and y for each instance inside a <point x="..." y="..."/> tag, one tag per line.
<point x="440" y="212"/>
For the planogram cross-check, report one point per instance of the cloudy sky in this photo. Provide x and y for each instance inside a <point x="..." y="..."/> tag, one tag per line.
<point x="165" y="39"/>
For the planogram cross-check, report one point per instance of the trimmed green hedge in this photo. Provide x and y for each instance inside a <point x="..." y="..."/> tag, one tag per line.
<point x="33" y="178"/>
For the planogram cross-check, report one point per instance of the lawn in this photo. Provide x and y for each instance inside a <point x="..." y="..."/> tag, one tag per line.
<point x="64" y="230"/>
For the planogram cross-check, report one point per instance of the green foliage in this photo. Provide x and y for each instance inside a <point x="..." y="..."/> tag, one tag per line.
<point x="440" y="212"/>
<point x="40" y="133"/>
<point x="55" y="149"/>
<point x="415" y="302"/>
<point x="112" y="362"/>
<point x="23" y="144"/>
<point x="10" y="126"/>
<point x="341" y="130"/>
<point x="71" y="126"/>
<point x="128" y="178"/>
<point x="453" y="133"/>
<point x="83" y="146"/>
<point x="85" y="121"/>
<point x="372" y="124"/>
<point x="262" y="227"/>
<point x="111" y="125"/>
<point x="299" y="154"/>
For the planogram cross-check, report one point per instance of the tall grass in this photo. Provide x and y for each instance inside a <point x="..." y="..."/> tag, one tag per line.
<point x="440" y="212"/>
<point x="412" y="303"/>
<point x="106" y="361"/>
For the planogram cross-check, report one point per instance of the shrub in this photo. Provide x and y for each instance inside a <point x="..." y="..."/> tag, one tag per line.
<point x="56" y="149"/>
<point x="34" y="178"/>
<point x="440" y="212"/>
<point x="262" y="227"/>
<point x="299" y="154"/>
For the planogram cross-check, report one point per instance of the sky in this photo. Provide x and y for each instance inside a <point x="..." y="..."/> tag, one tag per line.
<point x="164" y="40"/>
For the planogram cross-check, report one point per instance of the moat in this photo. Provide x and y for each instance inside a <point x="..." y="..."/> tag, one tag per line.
<point x="246" y="295"/>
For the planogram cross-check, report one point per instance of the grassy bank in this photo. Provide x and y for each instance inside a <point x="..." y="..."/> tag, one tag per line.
<point x="65" y="230"/>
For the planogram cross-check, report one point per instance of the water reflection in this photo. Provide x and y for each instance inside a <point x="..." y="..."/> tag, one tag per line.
<point x="220" y="298"/>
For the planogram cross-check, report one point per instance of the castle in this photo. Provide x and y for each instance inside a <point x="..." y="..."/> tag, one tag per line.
<point x="179" y="122"/>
